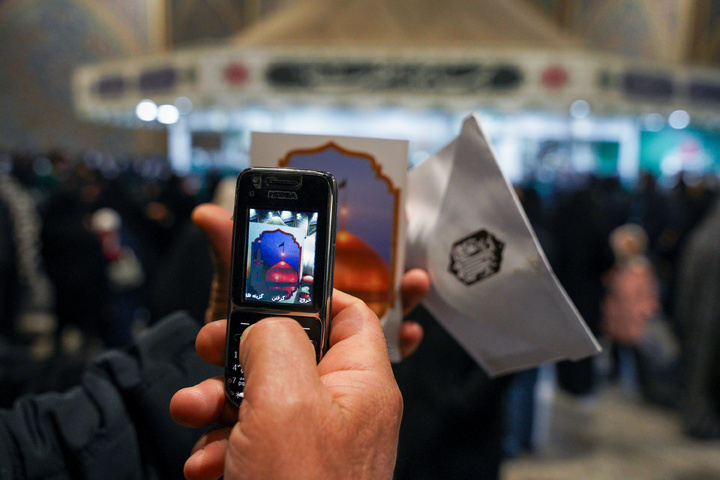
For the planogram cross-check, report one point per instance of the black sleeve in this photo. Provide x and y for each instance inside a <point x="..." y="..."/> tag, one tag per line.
<point x="116" y="424"/>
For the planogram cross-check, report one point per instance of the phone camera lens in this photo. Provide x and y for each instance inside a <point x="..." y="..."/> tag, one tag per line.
<point x="256" y="181"/>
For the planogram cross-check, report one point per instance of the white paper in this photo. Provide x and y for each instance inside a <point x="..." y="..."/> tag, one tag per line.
<point x="509" y="320"/>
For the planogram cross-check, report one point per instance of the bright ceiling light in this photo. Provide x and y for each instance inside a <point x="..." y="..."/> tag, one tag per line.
<point x="146" y="110"/>
<point x="580" y="109"/>
<point x="679" y="119"/>
<point x="168" y="114"/>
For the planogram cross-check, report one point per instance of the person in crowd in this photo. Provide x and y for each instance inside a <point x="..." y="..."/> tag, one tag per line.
<point x="453" y="423"/>
<point x="27" y="300"/>
<point x="74" y="258"/>
<point x="645" y="346"/>
<point x="168" y="204"/>
<point x="180" y="284"/>
<point x="632" y="296"/>
<point x="177" y="283"/>
<point x="27" y="297"/>
<point x="115" y="424"/>
<point x="581" y="223"/>
<point x="690" y="200"/>
<point x="125" y="272"/>
<point x="697" y="305"/>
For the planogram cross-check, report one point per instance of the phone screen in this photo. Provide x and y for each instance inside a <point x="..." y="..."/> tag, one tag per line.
<point x="280" y="259"/>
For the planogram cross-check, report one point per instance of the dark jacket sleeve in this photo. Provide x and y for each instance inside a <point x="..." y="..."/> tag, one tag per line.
<point x="116" y="424"/>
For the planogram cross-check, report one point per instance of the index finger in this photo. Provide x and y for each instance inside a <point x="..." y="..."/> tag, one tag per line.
<point x="351" y="316"/>
<point x="217" y="223"/>
<point x="357" y="341"/>
<point x="341" y="300"/>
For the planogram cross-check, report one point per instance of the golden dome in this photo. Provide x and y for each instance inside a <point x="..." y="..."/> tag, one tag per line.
<point x="361" y="272"/>
<point x="282" y="279"/>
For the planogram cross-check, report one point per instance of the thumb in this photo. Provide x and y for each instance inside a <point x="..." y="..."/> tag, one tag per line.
<point x="278" y="361"/>
<point x="283" y="403"/>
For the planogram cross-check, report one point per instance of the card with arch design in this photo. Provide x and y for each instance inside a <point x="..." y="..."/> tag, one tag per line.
<point x="370" y="246"/>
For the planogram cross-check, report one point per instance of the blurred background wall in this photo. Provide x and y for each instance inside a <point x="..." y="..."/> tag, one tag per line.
<point x="43" y="41"/>
<point x="674" y="31"/>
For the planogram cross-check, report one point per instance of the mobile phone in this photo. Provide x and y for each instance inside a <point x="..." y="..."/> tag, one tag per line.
<point x="283" y="251"/>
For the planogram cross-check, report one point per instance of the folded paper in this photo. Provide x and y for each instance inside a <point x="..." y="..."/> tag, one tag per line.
<point x="492" y="287"/>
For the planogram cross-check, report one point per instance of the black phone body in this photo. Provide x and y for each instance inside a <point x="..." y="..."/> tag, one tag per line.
<point x="282" y="257"/>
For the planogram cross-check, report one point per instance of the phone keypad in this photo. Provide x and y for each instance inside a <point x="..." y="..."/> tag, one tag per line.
<point x="234" y="376"/>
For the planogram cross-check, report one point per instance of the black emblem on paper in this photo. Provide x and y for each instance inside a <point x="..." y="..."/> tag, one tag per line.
<point x="476" y="257"/>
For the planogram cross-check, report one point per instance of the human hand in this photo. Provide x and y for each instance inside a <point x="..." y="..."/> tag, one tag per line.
<point x="217" y="224"/>
<point x="337" y="419"/>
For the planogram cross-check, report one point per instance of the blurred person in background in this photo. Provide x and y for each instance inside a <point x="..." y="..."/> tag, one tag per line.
<point x="645" y="349"/>
<point x="690" y="199"/>
<point x="74" y="258"/>
<point x="453" y="424"/>
<point x="168" y="204"/>
<point x="582" y="220"/>
<point x="27" y="299"/>
<point x="697" y="312"/>
<point x="125" y="272"/>
<point x="180" y="284"/>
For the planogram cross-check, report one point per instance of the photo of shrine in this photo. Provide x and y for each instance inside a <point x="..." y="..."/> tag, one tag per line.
<point x="277" y="269"/>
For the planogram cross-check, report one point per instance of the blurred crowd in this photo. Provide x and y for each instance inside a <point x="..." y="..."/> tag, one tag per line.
<point x="94" y="248"/>
<point x="640" y="263"/>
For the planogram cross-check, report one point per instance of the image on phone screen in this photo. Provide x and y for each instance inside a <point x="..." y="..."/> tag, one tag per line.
<point x="280" y="256"/>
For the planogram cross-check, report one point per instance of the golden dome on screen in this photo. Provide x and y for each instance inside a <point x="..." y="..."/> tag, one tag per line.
<point x="282" y="279"/>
